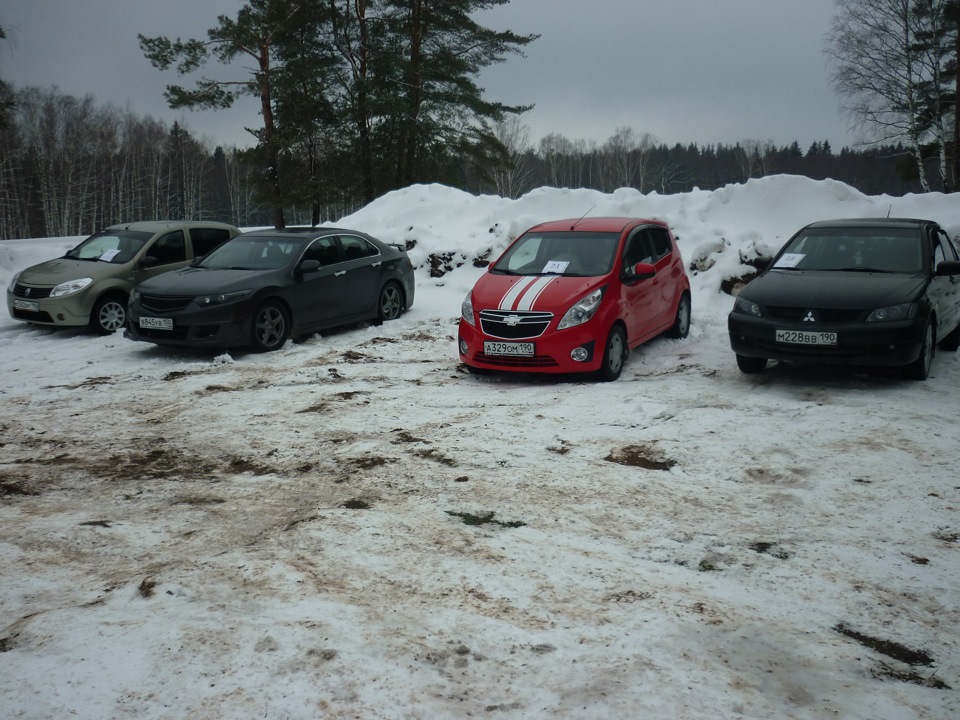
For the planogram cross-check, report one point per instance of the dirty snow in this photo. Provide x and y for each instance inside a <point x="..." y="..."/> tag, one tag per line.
<point x="231" y="535"/>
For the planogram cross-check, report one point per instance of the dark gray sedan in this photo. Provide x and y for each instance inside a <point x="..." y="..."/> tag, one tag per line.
<point x="264" y="286"/>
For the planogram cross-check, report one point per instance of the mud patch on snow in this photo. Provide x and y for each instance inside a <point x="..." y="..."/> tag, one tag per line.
<point x="641" y="456"/>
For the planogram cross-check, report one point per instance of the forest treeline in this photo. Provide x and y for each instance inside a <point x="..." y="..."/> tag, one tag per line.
<point x="69" y="166"/>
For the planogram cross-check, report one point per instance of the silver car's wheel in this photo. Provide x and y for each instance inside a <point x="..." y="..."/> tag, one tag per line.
<point x="268" y="327"/>
<point x="109" y="314"/>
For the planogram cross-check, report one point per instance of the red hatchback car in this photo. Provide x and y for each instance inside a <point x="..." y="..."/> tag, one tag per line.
<point x="573" y="296"/>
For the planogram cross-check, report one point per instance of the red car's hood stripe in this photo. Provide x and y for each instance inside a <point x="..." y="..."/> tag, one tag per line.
<point x="524" y="293"/>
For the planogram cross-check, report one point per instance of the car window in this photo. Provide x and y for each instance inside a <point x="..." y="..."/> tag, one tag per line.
<point x="946" y="248"/>
<point x="661" y="242"/>
<point x="115" y="247"/>
<point x="324" y="250"/>
<point x="355" y="247"/>
<point x="205" y="240"/>
<point x="880" y="249"/>
<point x="639" y="249"/>
<point x="566" y="253"/>
<point x="253" y="252"/>
<point x="169" y="248"/>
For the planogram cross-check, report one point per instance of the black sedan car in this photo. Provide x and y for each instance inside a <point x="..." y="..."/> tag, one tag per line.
<point x="856" y="292"/>
<point x="262" y="287"/>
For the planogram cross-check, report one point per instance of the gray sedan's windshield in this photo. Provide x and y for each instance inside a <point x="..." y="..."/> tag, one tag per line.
<point x="254" y="253"/>
<point x="560" y="253"/>
<point x="854" y="249"/>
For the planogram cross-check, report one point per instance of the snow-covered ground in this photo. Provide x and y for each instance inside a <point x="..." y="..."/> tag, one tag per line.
<point x="354" y="527"/>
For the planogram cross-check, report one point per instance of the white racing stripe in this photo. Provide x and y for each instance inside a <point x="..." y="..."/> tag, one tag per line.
<point x="513" y="293"/>
<point x="531" y="295"/>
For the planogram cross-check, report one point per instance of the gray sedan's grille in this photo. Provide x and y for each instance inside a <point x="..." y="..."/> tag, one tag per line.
<point x="511" y="325"/>
<point x="164" y="303"/>
<point x="33" y="293"/>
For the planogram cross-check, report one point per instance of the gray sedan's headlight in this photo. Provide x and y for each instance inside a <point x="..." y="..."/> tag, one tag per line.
<point x="220" y="298"/>
<point x="742" y="305"/>
<point x="904" y="311"/>
<point x="582" y="310"/>
<point x="69" y="288"/>
<point x="466" y="309"/>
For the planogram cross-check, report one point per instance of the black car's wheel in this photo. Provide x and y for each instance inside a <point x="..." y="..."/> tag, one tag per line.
<point x="751" y="365"/>
<point x="919" y="369"/>
<point x="681" y="322"/>
<point x="109" y="314"/>
<point x="951" y="341"/>
<point x="268" y="328"/>
<point x="614" y="355"/>
<point x="390" y="304"/>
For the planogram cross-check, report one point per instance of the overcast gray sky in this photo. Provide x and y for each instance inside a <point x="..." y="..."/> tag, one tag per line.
<point x="704" y="71"/>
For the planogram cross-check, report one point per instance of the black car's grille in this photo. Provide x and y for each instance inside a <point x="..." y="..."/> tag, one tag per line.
<point x="164" y="303"/>
<point x="822" y="315"/>
<point x="33" y="293"/>
<point x="540" y="361"/>
<point x="178" y="333"/>
<point x="511" y="325"/>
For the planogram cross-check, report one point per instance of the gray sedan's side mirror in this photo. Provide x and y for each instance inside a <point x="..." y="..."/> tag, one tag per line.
<point x="947" y="267"/>
<point x="309" y="266"/>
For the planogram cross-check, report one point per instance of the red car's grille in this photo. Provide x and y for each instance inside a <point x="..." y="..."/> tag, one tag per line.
<point x="538" y="361"/>
<point x="510" y="325"/>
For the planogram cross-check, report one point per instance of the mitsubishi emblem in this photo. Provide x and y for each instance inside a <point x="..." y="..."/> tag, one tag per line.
<point x="809" y="317"/>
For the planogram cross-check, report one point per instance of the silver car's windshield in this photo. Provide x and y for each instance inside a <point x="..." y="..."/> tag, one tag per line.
<point x="112" y="246"/>
<point x="895" y="250"/>
<point x="254" y="253"/>
<point x="579" y="254"/>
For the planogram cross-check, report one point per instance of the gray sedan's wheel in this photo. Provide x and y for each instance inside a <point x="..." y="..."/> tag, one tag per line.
<point x="751" y="365"/>
<point x="919" y="369"/>
<point x="614" y="355"/>
<point x="268" y="328"/>
<point x="109" y="314"/>
<point x="681" y="322"/>
<point x="390" y="304"/>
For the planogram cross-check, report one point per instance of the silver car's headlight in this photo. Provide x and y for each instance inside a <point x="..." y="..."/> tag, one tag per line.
<point x="220" y="298"/>
<point x="904" y="311"/>
<point x="69" y="288"/>
<point x="742" y="305"/>
<point x="13" y="282"/>
<point x="582" y="310"/>
<point x="466" y="309"/>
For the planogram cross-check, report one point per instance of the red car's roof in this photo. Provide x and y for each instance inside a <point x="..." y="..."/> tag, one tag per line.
<point x="594" y="224"/>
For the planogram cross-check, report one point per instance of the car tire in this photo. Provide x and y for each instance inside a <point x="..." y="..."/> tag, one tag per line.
<point x="919" y="369"/>
<point x="390" y="303"/>
<point x="951" y="341"/>
<point x="681" y="320"/>
<point x="751" y="365"/>
<point x="614" y="355"/>
<point x="269" y="327"/>
<point x="109" y="314"/>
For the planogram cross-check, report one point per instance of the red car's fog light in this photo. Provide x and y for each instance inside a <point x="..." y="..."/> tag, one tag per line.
<point x="579" y="354"/>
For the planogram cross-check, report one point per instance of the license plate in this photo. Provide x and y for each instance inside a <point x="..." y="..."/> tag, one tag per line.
<point x="26" y="305"/>
<point x="508" y="348"/>
<point x="799" y="337"/>
<point x="156" y="323"/>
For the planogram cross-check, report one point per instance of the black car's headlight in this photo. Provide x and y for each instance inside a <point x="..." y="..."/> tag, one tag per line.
<point x="134" y="297"/>
<point x="221" y="298"/>
<point x="903" y="311"/>
<point x="742" y="305"/>
<point x="582" y="310"/>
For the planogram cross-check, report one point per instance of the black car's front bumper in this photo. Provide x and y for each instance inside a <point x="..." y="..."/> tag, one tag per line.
<point x="862" y="343"/>
<point x="219" y="326"/>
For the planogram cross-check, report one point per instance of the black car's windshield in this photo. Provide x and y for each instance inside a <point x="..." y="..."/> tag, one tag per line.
<point x="894" y="250"/>
<point x="254" y="253"/>
<point x="112" y="246"/>
<point x="578" y="254"/>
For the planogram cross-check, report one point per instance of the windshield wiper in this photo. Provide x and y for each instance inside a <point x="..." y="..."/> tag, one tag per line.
<point x="862" y="268"/>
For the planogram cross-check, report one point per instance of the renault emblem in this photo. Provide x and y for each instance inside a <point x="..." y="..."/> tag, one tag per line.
<point x="809" y="317"/>
<point x="26" y="293"/>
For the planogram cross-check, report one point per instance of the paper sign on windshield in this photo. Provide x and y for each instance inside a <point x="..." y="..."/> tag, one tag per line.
<point x="555" y="266"/>
<point x="109" y="255"/>
<point x="789" y="260"/>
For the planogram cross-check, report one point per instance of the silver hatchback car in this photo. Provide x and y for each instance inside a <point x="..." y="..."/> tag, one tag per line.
<point x="90" y="285"/>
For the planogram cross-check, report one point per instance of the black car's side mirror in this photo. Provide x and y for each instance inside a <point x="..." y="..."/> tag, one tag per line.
<point x="640" y="271"/>
<point x="947" y="267"/>
<point x="309" y="266"/>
